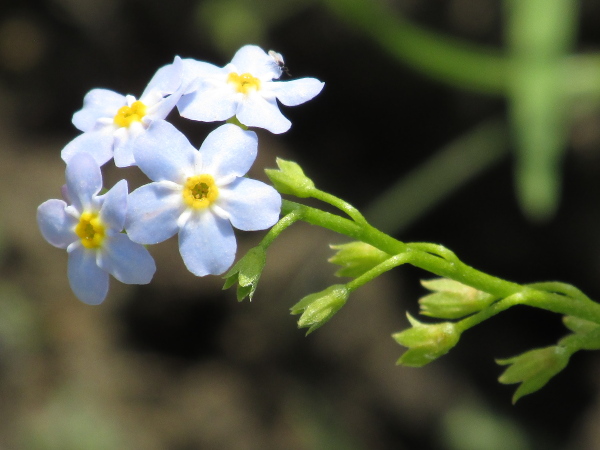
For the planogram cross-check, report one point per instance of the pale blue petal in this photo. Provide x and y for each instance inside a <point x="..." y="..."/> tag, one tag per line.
<point x="256" y="111"/>
<point x="88" y="281"/>
<point x="153" y="212"/>
<point x="167" y="79"/>
<point x="123" y="156"/>
<point x="97" y="103"/>
<point x="84" y="180"/>
<point x="55" y="224"/>
<point x="209" y="104"/>
<point x="252" y="205"/>
<point x="164" y="107"/>
<point x="114" y="206"/>
<point x="195" y="72"/>
<point x="295" y="92"/>
<point x="98" y="143"/>
<point x="162" y="152"/>
<point x="228" y="150"/>
<point x="255" y="61"/>
<point x="207" y="244"/>
<point x="128" y="262"/>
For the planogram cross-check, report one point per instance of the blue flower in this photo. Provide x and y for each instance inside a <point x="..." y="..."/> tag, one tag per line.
<point x="199" y="194"/>
<point x="110" y="120"/>
<point x="90" y="229"/>
<point x="243" y="88"/>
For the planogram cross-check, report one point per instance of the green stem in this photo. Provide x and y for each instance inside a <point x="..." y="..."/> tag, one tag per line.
<point x="442" y="262"/>
<point x="286" y="221"/>
<point x="340" y="204"/>
<point x="379" y="269"/>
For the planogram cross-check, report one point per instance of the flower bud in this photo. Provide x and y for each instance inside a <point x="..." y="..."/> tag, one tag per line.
<point x="290" y="179"/>
<point x="533" y="369"/>
<point x="426" y="342"/>
<point x="246" y="272"/>
<point x="579" y="326"/>
<point x="452" y="300"/>
<point x="356" y="258"/>
<point x="318" y="308"/>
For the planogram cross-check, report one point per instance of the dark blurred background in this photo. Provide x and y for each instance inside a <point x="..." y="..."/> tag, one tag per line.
<point x="180" y="364"/>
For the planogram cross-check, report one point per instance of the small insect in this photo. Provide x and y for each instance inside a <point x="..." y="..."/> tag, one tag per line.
<point x="279" y="61"/>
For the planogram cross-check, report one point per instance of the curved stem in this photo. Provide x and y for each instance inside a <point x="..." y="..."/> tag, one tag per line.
<point x="340" y="204"/>
<point x="441" y="261"/>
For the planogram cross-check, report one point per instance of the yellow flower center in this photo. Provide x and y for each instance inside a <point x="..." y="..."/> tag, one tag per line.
<point x="244" y="83"/>
<point x="200" y="191"/>
<point x="126" y="115"/>
<point x="90" y="229"/>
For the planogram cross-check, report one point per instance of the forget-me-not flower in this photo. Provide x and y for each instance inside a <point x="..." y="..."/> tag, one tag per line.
<point x="90" y="230"/>
<point x="199" y="194"/>
<point x="243" y="88"/>
<point x="110" y="121"/>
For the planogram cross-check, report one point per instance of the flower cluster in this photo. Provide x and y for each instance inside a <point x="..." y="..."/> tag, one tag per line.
<point x="198" y="194"/>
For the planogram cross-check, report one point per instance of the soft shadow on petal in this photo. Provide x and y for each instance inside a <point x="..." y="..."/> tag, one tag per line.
<point x="114" y="206"/>
<point x="162" y="152"/>
<point x="88" y="281"/>
<point x="251" y="204"/>
<point x="209" y="104"/>
<point x="256" y="111"/>
<point x="99" y="144"/>
<point x="166" y="80"/>
<point x="128" y="262"/>
<point x="153" y="212"/>
<point x="207" y="244"/>
<point x="229" y="150"/>
<point x="84" y="180"/>
<point x="254" y="60"/>
<point x="55" y="224"/>
<point x="97" y="103"/>
<point x="195" y="72"/>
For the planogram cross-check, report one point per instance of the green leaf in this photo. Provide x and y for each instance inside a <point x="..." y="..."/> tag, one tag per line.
<point x="246" y="272"/>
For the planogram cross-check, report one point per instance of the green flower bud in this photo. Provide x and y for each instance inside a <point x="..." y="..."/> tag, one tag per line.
<point x="318" y="308"/>
<point x="426" y="342"/>
<point x="246" y="272"/>
<point x="533" y="369"/>
<point x="356" y="258"/>
<point x="579" y="326"/>
<point x="290" y="179"/>
<point x="452" y="300"/>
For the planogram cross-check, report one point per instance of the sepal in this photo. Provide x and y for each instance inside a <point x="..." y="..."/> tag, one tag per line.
<point x="290" y="179"/>
<point x="356" y="258"/>
<point x="426" y="342"/>
<point x="452" y="300"/>
<point x="319" y="307"/>
<point x="579" y="326"/>
<point x="246" y="272"/>
<point x="533" y="369"/>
